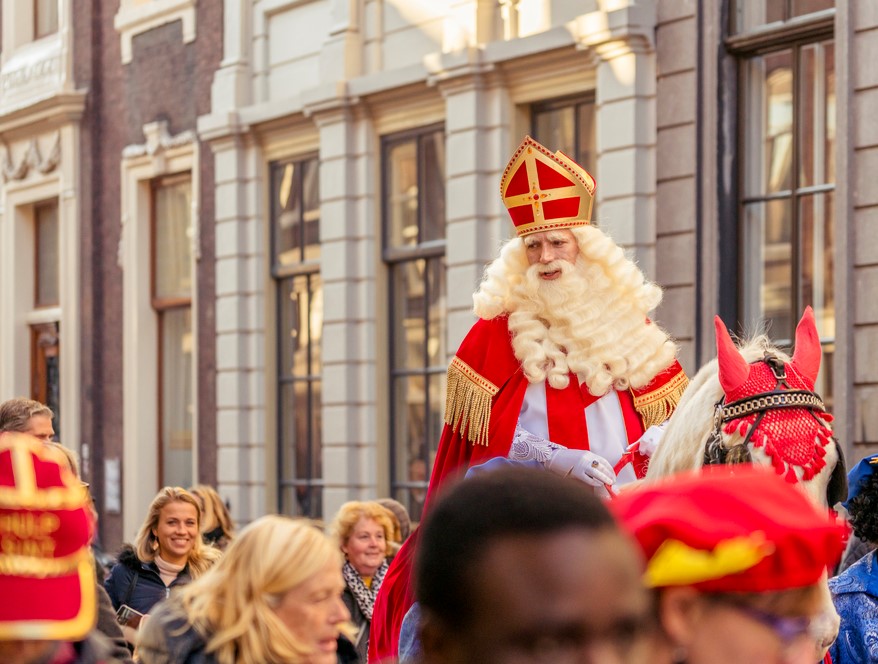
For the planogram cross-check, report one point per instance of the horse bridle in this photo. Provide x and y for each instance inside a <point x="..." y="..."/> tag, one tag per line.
<point x="714" y="450"/>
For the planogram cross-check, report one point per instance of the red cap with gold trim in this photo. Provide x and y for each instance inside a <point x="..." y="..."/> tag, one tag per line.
<point x="544" y="191"/>
<point x="47" y="578"/>
<point x="730" y="529"/>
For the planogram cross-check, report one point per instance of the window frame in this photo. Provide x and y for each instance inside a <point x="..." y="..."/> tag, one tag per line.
<point x="280" y="275"/>
<point x="36" y="19"/>
<point x="43" y="205"/>
<point x="793" y="34"/>
<point x="393" y="258"/>
<point x="163" y="305"/>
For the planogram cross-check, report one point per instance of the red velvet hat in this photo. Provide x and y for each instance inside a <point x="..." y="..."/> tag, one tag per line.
<point x="544" y="191"/>
<point x="47" y="580"/>
<point x="730" y="530"/>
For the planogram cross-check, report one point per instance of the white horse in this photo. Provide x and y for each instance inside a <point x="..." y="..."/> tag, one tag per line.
<point x="755" y="403"/>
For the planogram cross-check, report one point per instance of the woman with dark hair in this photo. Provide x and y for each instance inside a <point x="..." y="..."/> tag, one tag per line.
<point x="855" y="591"/>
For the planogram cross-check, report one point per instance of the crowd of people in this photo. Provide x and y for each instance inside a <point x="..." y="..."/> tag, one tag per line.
<point x="540" y="540"/>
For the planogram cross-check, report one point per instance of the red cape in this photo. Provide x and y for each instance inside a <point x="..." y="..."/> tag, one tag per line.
<point x="486" y="387"/>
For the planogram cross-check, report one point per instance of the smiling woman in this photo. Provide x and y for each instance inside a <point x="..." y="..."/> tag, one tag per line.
<point x="363" y="530"/>
<point x="167" y="553"/>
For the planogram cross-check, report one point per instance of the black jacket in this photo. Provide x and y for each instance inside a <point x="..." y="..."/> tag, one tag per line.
<point x="139" y="584"/>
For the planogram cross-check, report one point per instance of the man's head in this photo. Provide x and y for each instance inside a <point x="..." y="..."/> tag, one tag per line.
<point x="27" y="416"/>
<point x="519" y="565"/>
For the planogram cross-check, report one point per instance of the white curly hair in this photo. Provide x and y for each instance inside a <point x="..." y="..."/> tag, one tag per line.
<point x="592" y="321"/>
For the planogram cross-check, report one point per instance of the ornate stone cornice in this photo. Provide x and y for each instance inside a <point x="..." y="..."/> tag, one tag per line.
<point x="158" y="139"/>
<point x="629" y="27"/>
<point x="30" y="160"/>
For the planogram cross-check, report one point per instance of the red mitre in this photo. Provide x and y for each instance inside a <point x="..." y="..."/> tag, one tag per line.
<point x="47" y="578"/>
<point x="730" y="529"/>
<point x="544" y="191"/>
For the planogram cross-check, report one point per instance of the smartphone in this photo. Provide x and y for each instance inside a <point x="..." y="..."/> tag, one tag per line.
<point x="128" y="616"/>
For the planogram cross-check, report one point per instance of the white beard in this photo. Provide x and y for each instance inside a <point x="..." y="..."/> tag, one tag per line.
<point x="579" y="322"/>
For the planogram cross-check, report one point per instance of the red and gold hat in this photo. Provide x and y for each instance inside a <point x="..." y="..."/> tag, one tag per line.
<point x="47" y="578"/>
<point x="544" y="191"/>
<point x="724" y="530"/>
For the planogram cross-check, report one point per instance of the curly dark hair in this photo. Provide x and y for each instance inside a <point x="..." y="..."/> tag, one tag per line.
<point x="863" y="510"/>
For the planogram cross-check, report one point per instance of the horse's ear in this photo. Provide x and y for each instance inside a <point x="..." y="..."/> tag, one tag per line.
<point x="808" y="352"/>
<point x="733" y="368"/>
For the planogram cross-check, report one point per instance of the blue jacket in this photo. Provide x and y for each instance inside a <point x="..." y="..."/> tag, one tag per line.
<point x="138" y="584"/>
<point x="855" y="594"/>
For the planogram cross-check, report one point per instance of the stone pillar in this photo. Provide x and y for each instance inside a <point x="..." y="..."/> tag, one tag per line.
<point x="477" y="129"/>
<point x="241" y="257"/>
<point x="621" y="38"/>
<point x="349" y="235"/>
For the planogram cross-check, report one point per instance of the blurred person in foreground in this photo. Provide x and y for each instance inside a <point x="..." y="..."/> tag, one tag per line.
<point x="217" y="527"/>
<point x="167" y="554"/>
<point x="364" y="531"/>
<point x="106" y="618"/>
<point x="855" y="591"/>
<point x="47" y="580"/>
<point x="562" y="367"/>
<point x="518" y="565"/>
<point x="735" y="558"/>
<point x="274" y="598"/>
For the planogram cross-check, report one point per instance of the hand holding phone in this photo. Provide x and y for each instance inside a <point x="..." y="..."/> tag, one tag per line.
<point x="128" y="616"/>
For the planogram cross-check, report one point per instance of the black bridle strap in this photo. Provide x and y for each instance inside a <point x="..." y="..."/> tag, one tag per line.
<point x="770" y="401"/>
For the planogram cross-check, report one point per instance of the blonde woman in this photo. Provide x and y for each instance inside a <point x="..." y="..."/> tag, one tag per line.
<point x="364" y="531"/>
<point x="217" y="528"/>
<point x="167" y="553"/>
<point x="274" y="598"/>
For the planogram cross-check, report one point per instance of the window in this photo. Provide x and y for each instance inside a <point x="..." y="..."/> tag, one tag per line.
<point x="45" y="327"/>
<point x="295" y="238"/>
<point x="172" y="302"/>
<point x="45" y="18"/>
<point x="46" y="261"/>
<point x="568" y="125"/>
<point x="45" y="368"/>
<point x="786" y="122"/>
<point x="413" y="176"/>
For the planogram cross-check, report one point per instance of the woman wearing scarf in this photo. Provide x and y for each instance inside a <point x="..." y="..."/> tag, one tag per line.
<point x="363" y="530"/>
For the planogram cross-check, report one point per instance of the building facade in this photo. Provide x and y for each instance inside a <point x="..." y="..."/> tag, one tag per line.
<point x="270" y="215"/>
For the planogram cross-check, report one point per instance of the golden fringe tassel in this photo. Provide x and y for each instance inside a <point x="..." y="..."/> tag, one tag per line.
<point x="655" y="407"/>
<point x="468" y="402"/>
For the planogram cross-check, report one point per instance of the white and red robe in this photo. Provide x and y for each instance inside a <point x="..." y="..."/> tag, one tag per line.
<point x="488" y="395"/>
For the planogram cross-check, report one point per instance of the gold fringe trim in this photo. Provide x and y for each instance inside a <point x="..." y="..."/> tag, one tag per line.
<point x="656" y="406"/>
<point x="468" y="401"/>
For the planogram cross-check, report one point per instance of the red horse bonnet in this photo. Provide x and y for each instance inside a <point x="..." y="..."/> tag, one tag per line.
<point x="791" y="435"/>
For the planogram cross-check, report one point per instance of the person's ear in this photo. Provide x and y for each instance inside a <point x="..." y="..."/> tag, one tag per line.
<point x="680" y="612"/>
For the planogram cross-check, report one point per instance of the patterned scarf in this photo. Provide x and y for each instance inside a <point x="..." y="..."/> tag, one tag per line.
<point x="364" y="595"/>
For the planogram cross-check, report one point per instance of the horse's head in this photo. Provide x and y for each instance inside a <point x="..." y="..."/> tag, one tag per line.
<point x="770" y="414"/>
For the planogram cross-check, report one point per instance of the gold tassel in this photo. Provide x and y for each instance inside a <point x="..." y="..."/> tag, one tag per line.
<point x="468" y="402"/>
<point x="655" y="407"/>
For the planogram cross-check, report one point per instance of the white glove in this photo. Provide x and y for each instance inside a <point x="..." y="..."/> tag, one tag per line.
<point x="583" y="465"/>
<point x="649" y="441"/>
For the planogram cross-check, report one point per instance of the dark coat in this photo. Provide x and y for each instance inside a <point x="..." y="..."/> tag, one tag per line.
<point x="108" y="626"/>
<point x="139" y="584"/>
<point x="168" y="638"/>
<point x="358" y="618"/>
